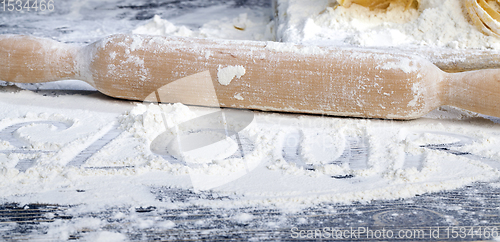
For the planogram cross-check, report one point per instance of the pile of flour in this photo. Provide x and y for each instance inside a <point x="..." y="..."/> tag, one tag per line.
<point x="436" y="23"/>
<point x="246" y="26"/>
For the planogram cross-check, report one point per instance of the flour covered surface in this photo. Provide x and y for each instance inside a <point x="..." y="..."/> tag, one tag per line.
<point x="93" y="168"/>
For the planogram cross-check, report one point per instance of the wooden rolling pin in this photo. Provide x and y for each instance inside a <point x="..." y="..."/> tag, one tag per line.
<point x="253" y="75"/>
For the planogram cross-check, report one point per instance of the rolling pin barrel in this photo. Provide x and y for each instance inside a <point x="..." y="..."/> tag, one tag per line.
<point x="278" y="76"/>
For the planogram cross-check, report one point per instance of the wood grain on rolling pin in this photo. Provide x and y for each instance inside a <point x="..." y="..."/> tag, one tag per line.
<point x="278" y="77"/>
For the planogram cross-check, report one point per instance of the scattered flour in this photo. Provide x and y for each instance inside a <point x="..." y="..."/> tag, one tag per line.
<point x="404" y="64"/>
<point x="243" y="217"/>
<point x="292" y="48"/>
<point x="106" y="236"/>
<point x="276" y="159"/>
<point x="227" y="74"/>
<point x="238" y="96"/>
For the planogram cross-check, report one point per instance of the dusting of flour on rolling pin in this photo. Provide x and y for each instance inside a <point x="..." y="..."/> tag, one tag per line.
<point x="227" y="74"/>
<point x="238" y="97"/>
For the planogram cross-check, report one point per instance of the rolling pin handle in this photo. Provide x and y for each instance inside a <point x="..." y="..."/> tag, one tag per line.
<point x="27" y="59"/>
<point x="478" y="91"/>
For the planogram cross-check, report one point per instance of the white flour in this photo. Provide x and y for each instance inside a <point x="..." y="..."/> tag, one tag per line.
<point x="226" y="74"/>
<point x="278" y="149"/>
<point x="437" y="23"/>
<point x="248" y="26"/>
